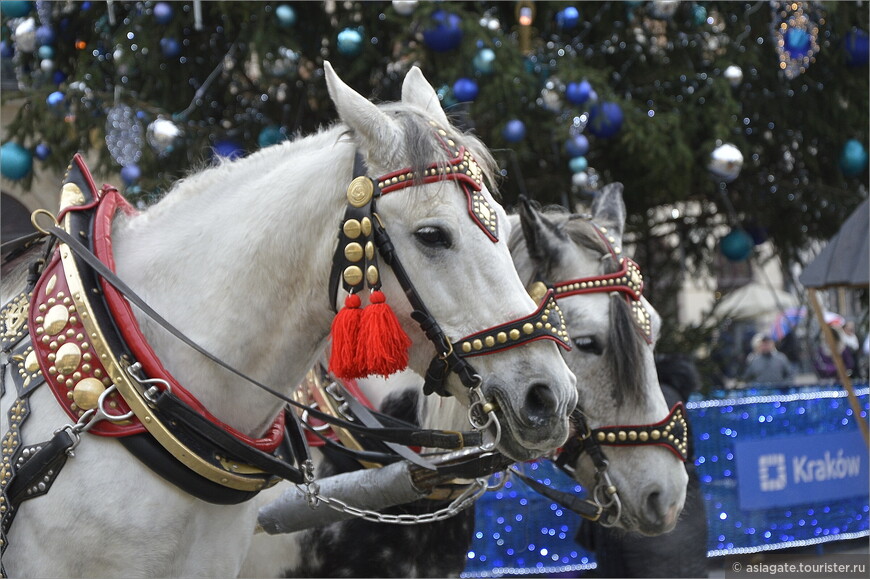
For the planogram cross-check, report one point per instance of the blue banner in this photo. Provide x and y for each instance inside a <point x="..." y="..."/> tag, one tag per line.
<point x="801" y="469"/>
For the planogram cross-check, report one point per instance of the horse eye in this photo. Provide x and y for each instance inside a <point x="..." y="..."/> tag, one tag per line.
<point x="433" y="237"/>
<point x="588" y="344"/>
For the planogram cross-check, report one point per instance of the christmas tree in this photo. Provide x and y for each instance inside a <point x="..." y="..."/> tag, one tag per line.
<point x="748" y="117"/>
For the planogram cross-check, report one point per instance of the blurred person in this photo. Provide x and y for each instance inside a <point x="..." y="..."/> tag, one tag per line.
<point x="824" y="361"/>
<point x="768" y="365"/>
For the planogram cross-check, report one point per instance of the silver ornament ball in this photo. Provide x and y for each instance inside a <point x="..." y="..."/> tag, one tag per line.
<point x="734" y="75"/>
<point x="163" y="135"/>
<point x="726" y="161"/>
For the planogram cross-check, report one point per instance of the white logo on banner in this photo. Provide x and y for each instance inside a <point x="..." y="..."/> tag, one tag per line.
<point x="771" y="472"/>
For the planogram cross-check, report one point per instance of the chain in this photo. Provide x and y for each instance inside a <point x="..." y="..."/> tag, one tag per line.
<point x="472" y="492"/>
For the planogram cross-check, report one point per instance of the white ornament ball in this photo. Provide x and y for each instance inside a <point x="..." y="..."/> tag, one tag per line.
<point x="405" y="7"/>
<point x="580" y="179"/>
<point x="726" y="161"/>
<point x="25" y="35"/>
<point x="163" y="135"/>
<point x="734" y="75"/>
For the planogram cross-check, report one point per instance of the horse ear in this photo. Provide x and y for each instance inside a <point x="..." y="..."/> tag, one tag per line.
<point x="417" y="91"/>
<point x="376" y="130"/>
<point x="608" y="209"/>
<point x="543" y="238"/>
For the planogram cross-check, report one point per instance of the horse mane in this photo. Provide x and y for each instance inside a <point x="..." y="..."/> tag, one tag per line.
<point x="624" y="342"/>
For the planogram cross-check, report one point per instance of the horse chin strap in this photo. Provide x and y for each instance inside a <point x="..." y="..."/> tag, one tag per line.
<point x="363" y="230"/>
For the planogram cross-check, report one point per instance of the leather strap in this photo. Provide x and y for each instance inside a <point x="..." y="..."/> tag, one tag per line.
<point x="583" y="507"/>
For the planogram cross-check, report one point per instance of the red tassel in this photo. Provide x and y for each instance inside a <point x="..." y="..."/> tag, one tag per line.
<point x="385" y="344"/>
<point x="345" y="356"/>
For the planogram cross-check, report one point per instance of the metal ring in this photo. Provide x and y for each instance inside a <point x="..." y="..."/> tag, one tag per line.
<point x="35" y="216"/>
<point x="111" y="417"/>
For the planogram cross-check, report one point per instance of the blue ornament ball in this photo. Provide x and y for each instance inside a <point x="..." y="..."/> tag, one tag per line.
<point x="699" y="14"/>
<point x="6" y="50"/>
<point x="446" y="32"/>
<point x="578" y="92"/>
<point x="350" y="42"/>
<point x="484" y="61"/>
<point x="44" y="35"/>
<point x="605" y="119"/>
<point x="58" y="77"/>
<point x="163" y="12"/>
<point x="130" y="174"/>
<point x="286" y="15"/>
<point x="577" y="146"/>
<point x="15" y="161"/>
<point x="465" y="89"/>
<point x="514" y="131"/>
<point x="170" y="47"/>
<point x="797" y="42"/>
<point x="42" y="151"/>
<point x="228" y="149"/>
<point x="737" y="245"/>
<point x="578" y="164"/>
<point x="270" y="135"/>
<point x="15" y="8"/>
<point x="568" y="18"/>
<point x="55" y="99"/>
<point x="853" y="158"/>
<point x="857" y="44"/>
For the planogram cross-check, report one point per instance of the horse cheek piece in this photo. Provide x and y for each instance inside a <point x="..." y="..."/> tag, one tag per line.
<point x="371" y="341"/>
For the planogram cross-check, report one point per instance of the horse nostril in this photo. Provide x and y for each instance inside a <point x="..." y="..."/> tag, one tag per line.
<point x="654" y="512"/>
<point x="540" y="404"/>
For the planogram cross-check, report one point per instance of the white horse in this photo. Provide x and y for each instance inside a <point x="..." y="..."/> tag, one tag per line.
<point x="614" y="330"/>
<point x="617" y="382"/>
<point x="238" y="257"/>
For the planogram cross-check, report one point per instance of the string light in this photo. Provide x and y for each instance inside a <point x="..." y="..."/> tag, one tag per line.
<point x="542" y="541"/>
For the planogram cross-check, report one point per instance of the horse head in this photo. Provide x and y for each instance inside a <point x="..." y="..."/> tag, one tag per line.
<point x="613" y="329"/>
<point x="447" y="238"/>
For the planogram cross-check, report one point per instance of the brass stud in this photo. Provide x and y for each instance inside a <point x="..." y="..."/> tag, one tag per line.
<point x="360" y="191"/>
<point x="477" y="344"/>
<point x="55" y="319"/>
<point x="489" y="341"/>
<point x="466" y="347"/>
<point x="528" y="328"/>
<point x="366" y="226"/>
<point x="68" y="357"/>
<point x="372" y="275"/>
<point x="353" y="251"/>
<point x="632" y="435"/>
<point x="655" y="434"/>
<point x="611" y="437"/>
<point x="353" y="275"/>
<point x="601" y="437"/>
<point x="87" y="393"/>
<point x="352" y="228"/>
<point x="31" y="364"/>
<point x="370" y="250"/>
<point x="514" y="334"/>
<point x="643" y="436"/>
<point x="501" y="337"/>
